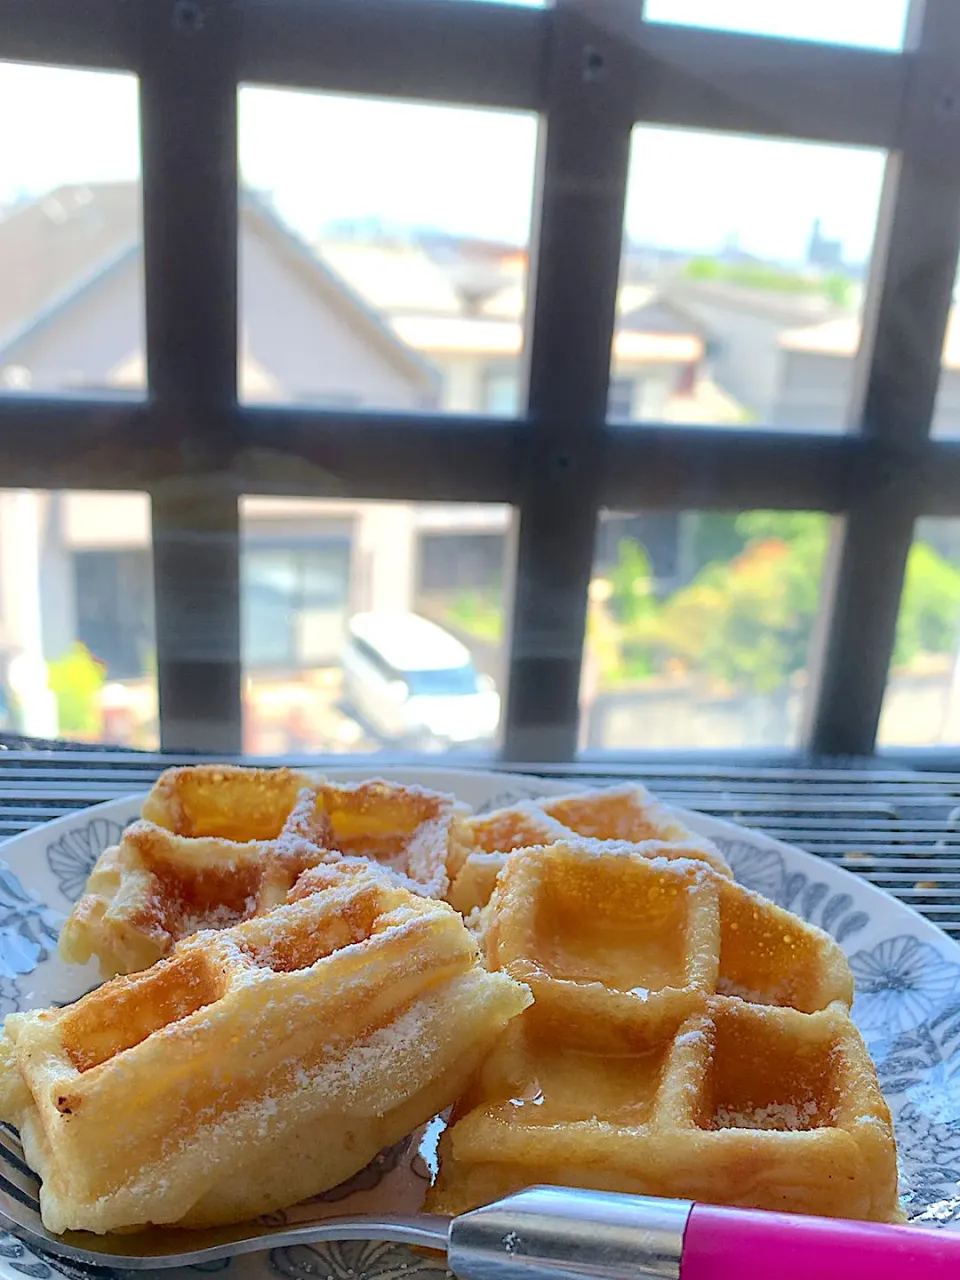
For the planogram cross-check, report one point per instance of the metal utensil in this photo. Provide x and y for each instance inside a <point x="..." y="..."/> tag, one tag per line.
<point x="545" y="1233"/>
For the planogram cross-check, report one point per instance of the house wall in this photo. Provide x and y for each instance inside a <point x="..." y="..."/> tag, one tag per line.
<point x="946" y="416"/>
<point x="744" y="356"/>
<point x="465" y="382"/>
<point x="82" y="345"/>
<point x="307" y="345"/>
<point x="814" y="393"/>
<point x="816" y="387"/>
<point x="465" y="379"/>
<point x="58" y="596"/>
<point x="653" y="385"/>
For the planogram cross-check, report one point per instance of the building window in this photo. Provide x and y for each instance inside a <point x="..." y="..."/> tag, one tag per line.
<point x="620" y="399"/>
<point x="294" y="605"/>
<point x="114" y="592"/>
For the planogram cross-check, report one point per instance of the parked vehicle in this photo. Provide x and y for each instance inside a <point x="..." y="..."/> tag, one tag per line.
<point x="413" y="683"/>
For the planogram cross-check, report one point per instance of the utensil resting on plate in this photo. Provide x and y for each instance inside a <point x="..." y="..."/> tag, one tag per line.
<point x="545" y="1233"/>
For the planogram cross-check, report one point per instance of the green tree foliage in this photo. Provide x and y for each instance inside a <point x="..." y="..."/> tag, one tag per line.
<point x="771" y="278"/>
<point x="930" y="611"/>
<point x="478" y="613"/>
<point x="746" y="622"/>
<point x="746" y="619"/>
<point x="634" y="607"/>
<point x="76" y="680"/>
<point x="631" y="580"/>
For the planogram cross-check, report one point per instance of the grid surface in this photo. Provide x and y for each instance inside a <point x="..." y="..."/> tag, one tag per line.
<point x="896" y="828"/>
<point x="591" y="69"/>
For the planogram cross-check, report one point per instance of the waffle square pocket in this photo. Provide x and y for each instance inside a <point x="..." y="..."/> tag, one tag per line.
<point x="595" y="927"/>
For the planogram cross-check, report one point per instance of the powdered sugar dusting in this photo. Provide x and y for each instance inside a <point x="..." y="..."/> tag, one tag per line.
<point x="727" y="987"/>
<point x="788" y="1116"/>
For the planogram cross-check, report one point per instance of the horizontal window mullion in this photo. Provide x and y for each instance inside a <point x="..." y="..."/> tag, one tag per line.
<point x="698" y="79"/>
<point x="98" y="34"/>
<point x="477" y="53"/>
<point x="90" y="444"/>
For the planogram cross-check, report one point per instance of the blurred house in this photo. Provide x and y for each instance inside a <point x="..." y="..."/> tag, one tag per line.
<point x="461" y="304"/>
<point x="410" y="325"/>
<point x="817" y="371"/>
<point x="743" y="328"/>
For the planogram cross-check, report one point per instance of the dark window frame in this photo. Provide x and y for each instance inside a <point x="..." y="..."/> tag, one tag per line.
<point x="591" y="69"/>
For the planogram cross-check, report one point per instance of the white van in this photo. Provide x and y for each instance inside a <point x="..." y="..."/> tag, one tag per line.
<point x="411" y="681"/>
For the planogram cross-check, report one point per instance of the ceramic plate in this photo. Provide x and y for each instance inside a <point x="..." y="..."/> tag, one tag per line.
<point x="907" y="1007"/>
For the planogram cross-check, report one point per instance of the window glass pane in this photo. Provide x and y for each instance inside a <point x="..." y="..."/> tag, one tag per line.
<point x="71" y="241"/>
<point x="872" y="24"/>
<point x="742" y="278"/>
<point x="77" y="648"/>
<point x="698" y="628"/>
<point x="368" y="625"/>
<point x="946" y="409"/>
<point x="389" y="271"/>
<point x="922" y="702"/>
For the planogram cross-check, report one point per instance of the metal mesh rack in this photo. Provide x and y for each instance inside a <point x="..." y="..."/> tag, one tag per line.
<point x="898" y="829"/>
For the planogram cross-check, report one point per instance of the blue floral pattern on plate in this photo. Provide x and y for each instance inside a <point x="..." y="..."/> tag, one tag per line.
<point x="71" y="858"/>
<point x="907" y="1006"/>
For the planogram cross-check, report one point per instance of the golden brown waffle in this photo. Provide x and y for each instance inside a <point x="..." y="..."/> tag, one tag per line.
<point x="407" y="830"/>
<point x="155" y="888"/>
<point x="256" y="1066"/>
<point x="482" y="843"/>
<point x="627" y="813"/>
<point x="231" y="802"/>
<point x="225" y="843"/>
<point x="688" y="1038"/>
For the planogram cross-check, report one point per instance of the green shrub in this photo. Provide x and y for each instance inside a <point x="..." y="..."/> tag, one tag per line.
<point x="76" y="680"/>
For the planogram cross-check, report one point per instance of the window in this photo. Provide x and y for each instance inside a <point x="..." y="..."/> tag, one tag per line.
<point x="699" y="627"/>
<point x="878" y="24"/>
<point x="688" y="245"/>
<point x="742" y="278"/>
<point x="387" y="272"/>
<point x="78" y="653"/>
<point x="330" y="592"/>
<point x="71" y="243"/>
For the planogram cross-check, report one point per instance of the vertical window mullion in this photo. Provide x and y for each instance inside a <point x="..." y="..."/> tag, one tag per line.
<point x="583" y="161"/>
<point x="189" y="132"/>
<point x="895" y="383"/>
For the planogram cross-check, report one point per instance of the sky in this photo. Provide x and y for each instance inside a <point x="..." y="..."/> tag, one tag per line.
<point x="323" y="158"/>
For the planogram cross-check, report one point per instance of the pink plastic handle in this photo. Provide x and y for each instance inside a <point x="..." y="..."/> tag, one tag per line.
<point x="724" y="1244"/>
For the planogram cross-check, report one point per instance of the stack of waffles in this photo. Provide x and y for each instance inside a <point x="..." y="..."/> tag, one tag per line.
<point x="293" y="986"/>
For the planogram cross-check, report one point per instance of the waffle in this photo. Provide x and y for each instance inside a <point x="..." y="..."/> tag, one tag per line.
<point x="256" y="1066"/>
<point x="616" y="814"/>
<point x="407" y="830"/>
<point x="231" y="802"/>
<point x="688" y="1039"/>
<point x="223" y="844"/>
<point x="154" y="888"/>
